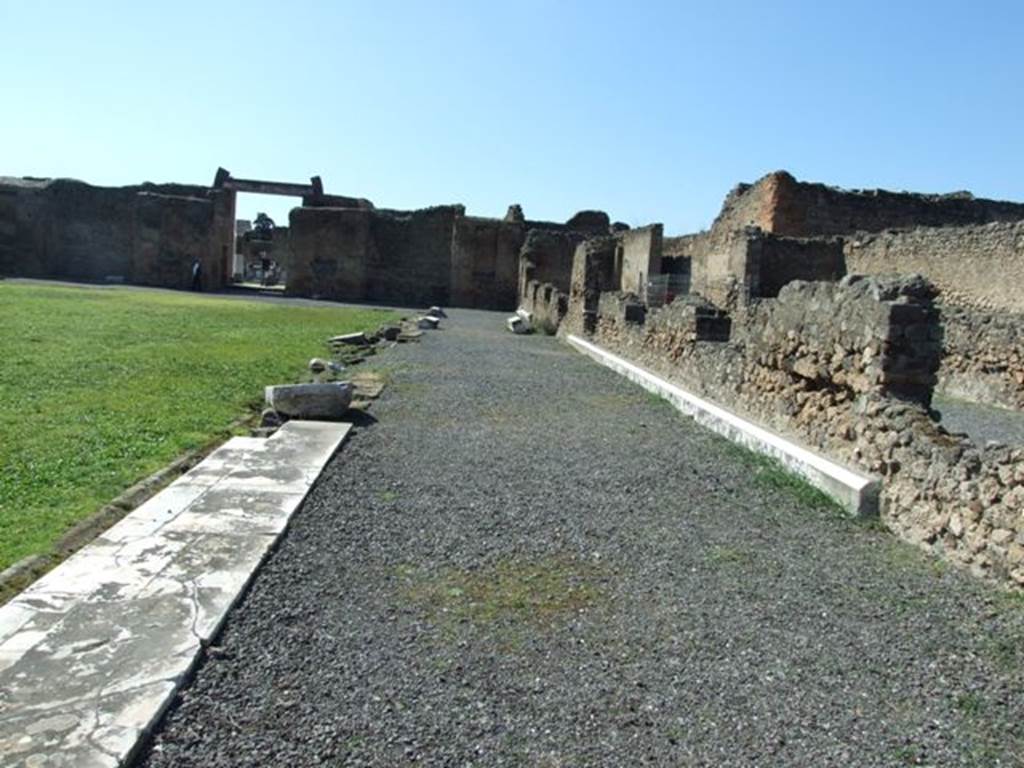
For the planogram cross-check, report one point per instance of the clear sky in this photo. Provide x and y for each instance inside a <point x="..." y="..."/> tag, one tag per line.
<point x="649" y="110"/>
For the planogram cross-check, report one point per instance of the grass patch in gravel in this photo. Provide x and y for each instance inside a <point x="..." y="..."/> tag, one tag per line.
<point x="101" y="387"/>
<point x="535" y="592"/>
<point x="770" y="473"/>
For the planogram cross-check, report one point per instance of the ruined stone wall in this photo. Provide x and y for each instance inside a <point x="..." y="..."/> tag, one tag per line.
<point x="780" y="260"/>
<point x="641" y="257"/>
<point x="817" y="363"/>
<point x="750" y="264"/>
<point x="169" y="232"/>
<point x="547" y="305"/>
<point x="983" y="356"/>
<point x="411" y="259"/>
<point x="727" y="274"/>
<point x="779" y="203"/>
<point x="593" y="272"/>
<point x="977" y="266"/>
<point x="330" y="248"/>
<point x="547" y="257"/>
<point x="23" y="228"/>
<point x="68" y="229"/>
<point x="485" y="262"/>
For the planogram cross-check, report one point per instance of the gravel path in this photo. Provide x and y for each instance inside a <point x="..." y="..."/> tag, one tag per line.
<point x="981" y="422"/>
<point x="527" y="561"/>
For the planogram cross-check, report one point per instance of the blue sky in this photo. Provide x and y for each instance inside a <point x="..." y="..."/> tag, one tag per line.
<point x="649" y="110"/>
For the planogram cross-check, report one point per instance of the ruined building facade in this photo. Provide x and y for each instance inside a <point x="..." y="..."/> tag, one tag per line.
<point x="339" y="247"/>
<point x="833" y="316"/>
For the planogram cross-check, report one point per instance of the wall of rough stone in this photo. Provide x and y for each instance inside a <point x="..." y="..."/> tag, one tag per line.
<point x="977" y="266"/>
<point x="983" y="356"/>
<point x="485" y="262"/>
<point x="748" y="263"/>
<point x="546" y="256"/>
<point x="546" y="303"/>
<point x="940" y="491"/>
<point x="330" y="248"/>
<point x="593" y="272"/>
<point x="780" y="204"/>
<point x="780" y="260"/>
<point x="410" y="261"/>
<point x="169" y="232"/>
<point x="68" y="229"/>
<point x="640" y="258"/>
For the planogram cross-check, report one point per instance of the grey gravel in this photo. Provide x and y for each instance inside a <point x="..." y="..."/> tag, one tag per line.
<point x="528" y="561"/>
<point x="982" y="423"/>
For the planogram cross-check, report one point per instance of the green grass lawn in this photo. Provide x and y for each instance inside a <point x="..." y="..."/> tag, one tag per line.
<point x="100" y="387"/>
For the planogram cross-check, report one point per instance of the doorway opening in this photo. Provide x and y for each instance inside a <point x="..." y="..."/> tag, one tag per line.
<point x="262" y="255"/>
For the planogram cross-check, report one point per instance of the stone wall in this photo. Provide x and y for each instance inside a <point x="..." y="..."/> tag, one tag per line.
<point x="546" y="303"/>
<point x="546" y="257"/>
<point x="983" y="356"/>
<point x="169" y="232"/>
<point x="828" y="364"/>
<point x="485" y="262"/>
<point x="779" y="203"/>
<point x="410" y="259"/>
<point x="593" y="272"/>
<point x="749" y="264"/>
<point x="330" y="250"/>
<point x="977" y="266"/>
<point x="641" y="257"/>
<point x="780" y="260"/>
<point x="68" y="229"/>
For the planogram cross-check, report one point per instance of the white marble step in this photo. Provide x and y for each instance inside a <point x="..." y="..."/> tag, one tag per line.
<point x="93" y="652"/>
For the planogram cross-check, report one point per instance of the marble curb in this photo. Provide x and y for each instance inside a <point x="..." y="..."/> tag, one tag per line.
<point x="23" y="572"/>
<point x="93" y="652"/>
<point x="855" y="492"/>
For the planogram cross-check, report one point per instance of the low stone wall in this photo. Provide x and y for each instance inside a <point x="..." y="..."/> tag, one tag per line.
<point x="546" y="257"/>
<point x="983" y="359"/>
<point x="981" y="267"/>
<point x="828" y="365"/>
<point x="546" y="303"/>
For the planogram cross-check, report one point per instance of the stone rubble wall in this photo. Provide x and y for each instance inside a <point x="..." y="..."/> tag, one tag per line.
<point x="983" y="356"/>
<point x="146" y="234"/>
<point x="780" y="204"/>
<point x="980" y="267"/>
<point x="731" y="268"/>
<point x="827" y="364"/>
<point x="546" y="257"/>
<point x="547" y="305"/>
<point x="641" y="251"/>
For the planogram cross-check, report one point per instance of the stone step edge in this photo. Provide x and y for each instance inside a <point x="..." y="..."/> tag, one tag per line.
<point x="857" y="493"/>
<point x="23" y="573"/>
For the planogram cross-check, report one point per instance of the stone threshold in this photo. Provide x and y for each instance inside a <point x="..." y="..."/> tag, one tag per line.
<point x="855" y="492"/>
<point x="93" y="652"/>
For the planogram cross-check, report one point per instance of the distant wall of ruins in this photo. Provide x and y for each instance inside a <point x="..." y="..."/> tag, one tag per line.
<point x="977" y="266"/>
<point x="147" y="234"/>
<point x="779" y="203"/>
<point x="750" y="264"/>
<point x="641" y="251"/>
<point x="431" y="256"/>
<point x="485" y="262"/>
